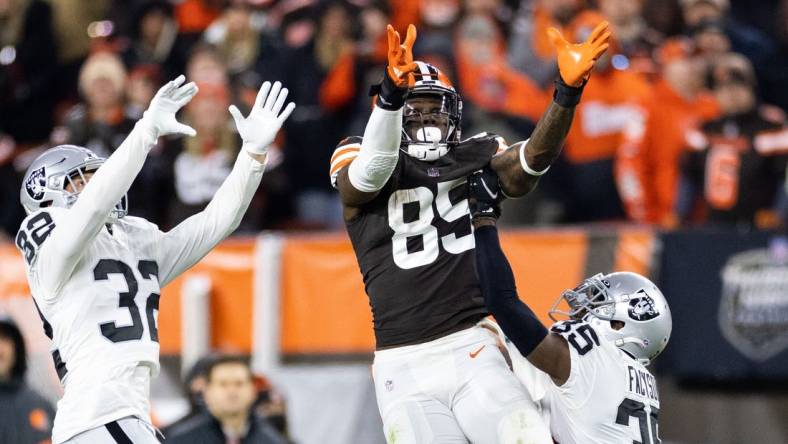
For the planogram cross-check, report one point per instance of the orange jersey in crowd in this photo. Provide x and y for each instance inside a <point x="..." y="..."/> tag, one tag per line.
<point x="647" y="164"/>
<point x="609" y="101"/>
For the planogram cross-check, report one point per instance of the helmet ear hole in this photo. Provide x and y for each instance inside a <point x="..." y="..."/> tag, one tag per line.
<point x="617" y="325"/>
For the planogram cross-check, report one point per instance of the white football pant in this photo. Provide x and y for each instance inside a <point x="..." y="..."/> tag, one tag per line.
<point x="454" y="389"/>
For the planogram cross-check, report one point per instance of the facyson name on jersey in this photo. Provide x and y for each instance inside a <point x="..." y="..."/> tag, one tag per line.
<point x="753" y="312"/>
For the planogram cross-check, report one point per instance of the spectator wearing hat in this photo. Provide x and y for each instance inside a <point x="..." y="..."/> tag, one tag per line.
<point x="648" y="159"/>
<point x="736" y="165"/>
<point x="26" y="416"/>
<point x="99" y="123"/>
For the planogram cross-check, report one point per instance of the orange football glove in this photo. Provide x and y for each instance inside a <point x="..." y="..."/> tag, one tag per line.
<point x="575" y="61"/>
<point x="400" y="56"/>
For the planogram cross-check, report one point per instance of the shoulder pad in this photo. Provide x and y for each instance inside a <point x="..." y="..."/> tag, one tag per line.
<point x="138" y="223"/>
<point x="344" y="154"/>
<point x="579" y="334"/>
<point x="33" y="231"/>
<point x="483" y="135"/>
<point x="352" y="140"/>
<point x="567" y="326"/>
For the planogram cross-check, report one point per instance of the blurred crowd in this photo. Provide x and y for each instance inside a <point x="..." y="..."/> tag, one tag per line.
<point x="682" y="122"/>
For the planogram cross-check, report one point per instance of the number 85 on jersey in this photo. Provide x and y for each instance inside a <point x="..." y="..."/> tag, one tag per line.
<point x="417" y="239"/>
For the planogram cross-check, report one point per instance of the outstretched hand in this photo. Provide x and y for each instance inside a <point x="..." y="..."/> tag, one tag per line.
<point x="400" y="56"/>
<point x="259" y="129"/>
<point x="168" y="100"/>
<point x="575" y="61"/>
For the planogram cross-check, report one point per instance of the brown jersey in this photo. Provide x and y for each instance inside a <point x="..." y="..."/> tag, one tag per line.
<point x="739" y="163"/>
<point x="414" y="244"/>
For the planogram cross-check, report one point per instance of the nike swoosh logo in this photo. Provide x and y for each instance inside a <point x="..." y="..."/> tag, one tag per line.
<point x="493" y="195"/>
<point x="58" y="163"/>
<point x="474" y="353"/>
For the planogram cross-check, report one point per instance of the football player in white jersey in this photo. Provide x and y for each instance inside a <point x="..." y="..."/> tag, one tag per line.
<point x="96" y="274"/>
<point x="588" y="373"/>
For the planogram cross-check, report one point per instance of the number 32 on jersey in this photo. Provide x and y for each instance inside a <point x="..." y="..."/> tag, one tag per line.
<point x="412" y="214"/>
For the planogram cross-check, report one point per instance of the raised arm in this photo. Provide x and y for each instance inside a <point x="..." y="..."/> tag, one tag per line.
<point x="367" y="173"/>
<point x="546" y="351"/>
<point x="192" y="239"/>
<point x="87" y="216"/>
<point x="520" y="166"/>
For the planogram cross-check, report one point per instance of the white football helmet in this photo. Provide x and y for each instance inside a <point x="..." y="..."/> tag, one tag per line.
<point x="45" y="181"/>
<point x="429" y="135"/>
<point x="625" y="297"/>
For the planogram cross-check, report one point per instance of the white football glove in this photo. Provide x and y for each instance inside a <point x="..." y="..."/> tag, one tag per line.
<point x="259" y="129"/>
<point x="167" y="101"/>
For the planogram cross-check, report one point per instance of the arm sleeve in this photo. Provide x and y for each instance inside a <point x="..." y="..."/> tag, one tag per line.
<point x="379" y="151"/>
<point x="516" y="319"/>
<point x="87" y="216"/>
<point x="192" y="239"/>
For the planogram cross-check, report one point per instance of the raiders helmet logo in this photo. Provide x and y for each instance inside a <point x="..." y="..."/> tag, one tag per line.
<point x="35" y="185"/>
<point x="641" y="307"/>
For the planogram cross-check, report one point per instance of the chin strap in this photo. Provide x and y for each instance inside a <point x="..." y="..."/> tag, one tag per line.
<point x="630" y="340"/>
<point x="427" y="152"/>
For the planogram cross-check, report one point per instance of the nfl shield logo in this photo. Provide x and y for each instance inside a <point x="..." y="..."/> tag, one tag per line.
<point x="754" y="305"/>
<point x="36" y="183"/>
<point x="433" y="172"/>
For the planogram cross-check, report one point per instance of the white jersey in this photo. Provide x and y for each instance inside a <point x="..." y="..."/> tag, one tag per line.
<point x="97" y="288"/>
<point x="609" y="398"/>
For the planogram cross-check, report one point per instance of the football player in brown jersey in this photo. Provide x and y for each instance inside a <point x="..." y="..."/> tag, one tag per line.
<point x="438" y="376"/>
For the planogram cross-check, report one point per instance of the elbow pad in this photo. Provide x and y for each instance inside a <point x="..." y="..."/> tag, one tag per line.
<point x="379" y="151"/>
<point x="369" y="172"/>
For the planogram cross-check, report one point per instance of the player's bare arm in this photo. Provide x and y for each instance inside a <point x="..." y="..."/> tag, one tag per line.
<point x="375" y="157"/>
<point x="540" y="151"/>
<point x="520" y="166"/>
<point x="192" y="239"/>
<point x="109" y="184"/>
<point x="547" y="351"/>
